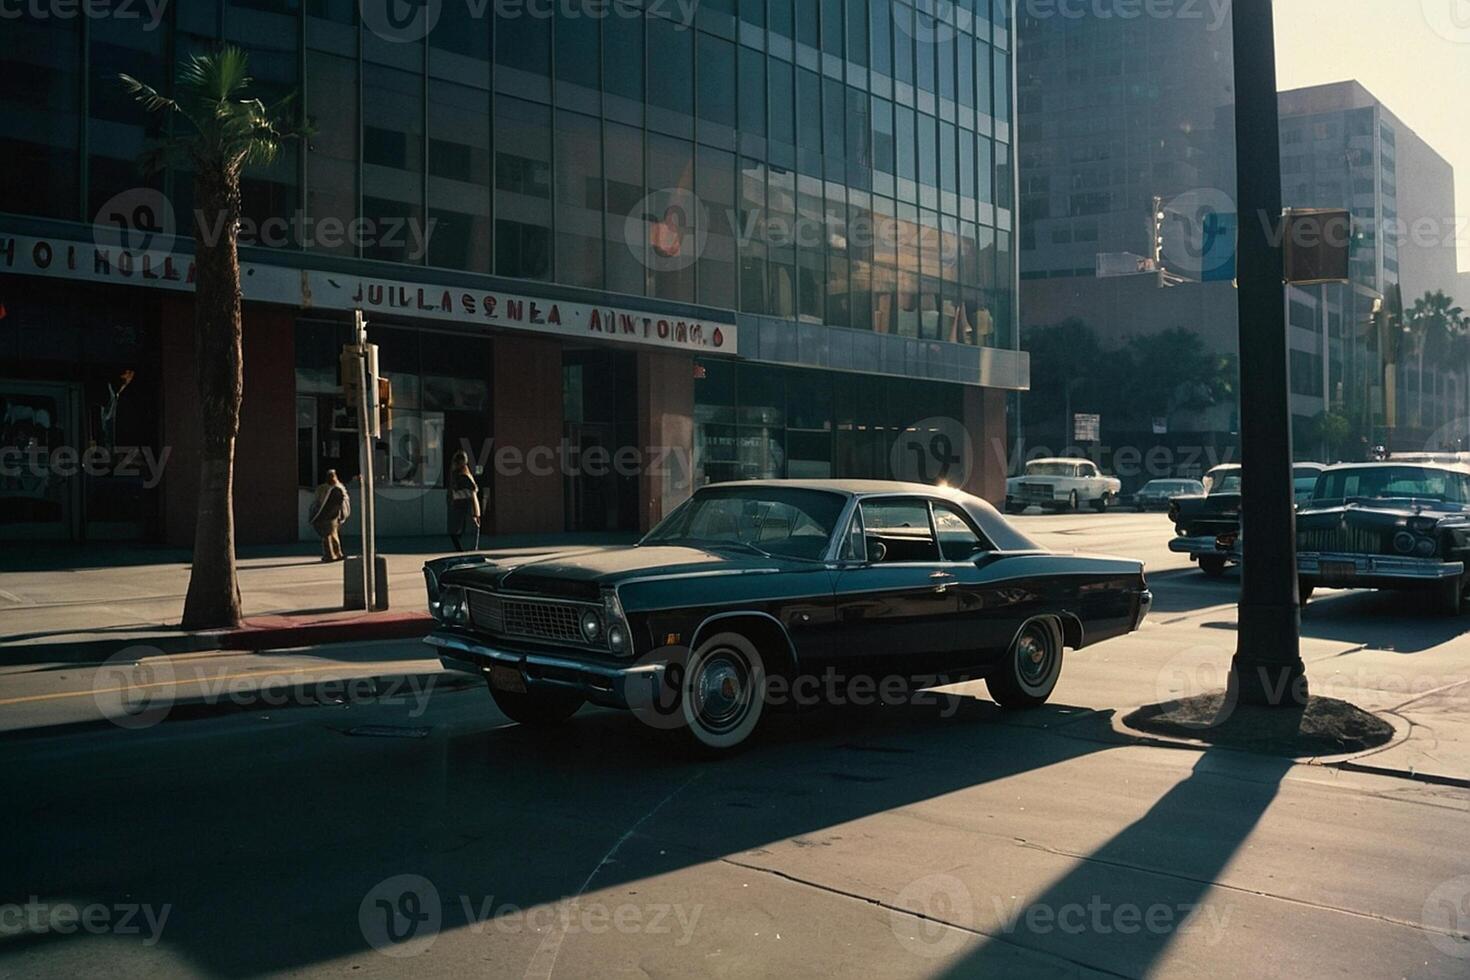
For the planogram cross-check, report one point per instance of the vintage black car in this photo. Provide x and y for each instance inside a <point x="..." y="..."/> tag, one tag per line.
<point x="747" y="588"/>
<point x="1388" y="525"/>
<point x="1207" y="528"/>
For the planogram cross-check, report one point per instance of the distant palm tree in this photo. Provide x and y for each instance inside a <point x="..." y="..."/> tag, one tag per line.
<point x="1438" y="328"/>
<point x="223" y="132"/>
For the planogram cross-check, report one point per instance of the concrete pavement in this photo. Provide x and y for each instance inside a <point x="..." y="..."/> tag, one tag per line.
<point x="374" y="838"/>
<point x="351" y="808"/>
<point x="74" y="605"/>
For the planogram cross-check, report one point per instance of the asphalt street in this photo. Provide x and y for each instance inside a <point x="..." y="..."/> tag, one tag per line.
<point x="404" y="825"/>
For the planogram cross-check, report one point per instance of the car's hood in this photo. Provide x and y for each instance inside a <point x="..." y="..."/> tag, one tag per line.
<point x="583" y="573"/>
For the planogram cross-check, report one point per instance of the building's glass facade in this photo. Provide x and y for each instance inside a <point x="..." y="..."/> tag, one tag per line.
<point x="831" y="179"/>
<point x="851" y="158"/>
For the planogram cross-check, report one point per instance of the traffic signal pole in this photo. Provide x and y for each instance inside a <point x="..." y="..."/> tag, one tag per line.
<point x="1267" y="668"/>
<point x="368" y="419"/>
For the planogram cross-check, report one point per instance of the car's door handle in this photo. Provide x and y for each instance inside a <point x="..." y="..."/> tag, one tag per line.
<point x="942" y="581"/>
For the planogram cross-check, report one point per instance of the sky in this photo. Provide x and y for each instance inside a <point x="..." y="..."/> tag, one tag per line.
<point x="1414" y="55"/>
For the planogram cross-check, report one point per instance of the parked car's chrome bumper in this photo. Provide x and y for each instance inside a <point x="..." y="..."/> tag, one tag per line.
<point x="1145" y="605"/>
<point x="1375" y="571"/>
<point x="614" y="686"/>
<point x="1205" y="544"/>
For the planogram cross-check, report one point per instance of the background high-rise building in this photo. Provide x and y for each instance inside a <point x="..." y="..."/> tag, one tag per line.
<point x="1127" y="158"/>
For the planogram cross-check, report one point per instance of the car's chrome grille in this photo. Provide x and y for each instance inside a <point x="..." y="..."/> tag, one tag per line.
<point x="558" y="622"/>
<point x="1036" y="491"/>
<point x="1343" y="540"/>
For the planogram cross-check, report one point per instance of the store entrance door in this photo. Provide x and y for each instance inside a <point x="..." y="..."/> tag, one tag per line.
<point x="599" y="391"/>
<point x="40" y="461"/>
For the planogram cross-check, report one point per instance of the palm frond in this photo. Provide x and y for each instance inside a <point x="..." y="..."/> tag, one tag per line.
<point x="150" y="98"/>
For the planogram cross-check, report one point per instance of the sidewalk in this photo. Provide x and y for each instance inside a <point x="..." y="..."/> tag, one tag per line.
<point x="70" y="604"/>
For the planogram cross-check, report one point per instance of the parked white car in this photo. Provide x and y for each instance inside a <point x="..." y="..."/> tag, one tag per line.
<point x="1062" y="484"/>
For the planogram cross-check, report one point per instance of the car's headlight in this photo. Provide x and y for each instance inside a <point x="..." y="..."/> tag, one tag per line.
<point x="619" y="637"/>
<point x="591" y="626"/>
<point x="452" y="608"/>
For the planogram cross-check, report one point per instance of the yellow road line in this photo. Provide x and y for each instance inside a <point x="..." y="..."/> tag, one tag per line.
<point x="62" y="695"/>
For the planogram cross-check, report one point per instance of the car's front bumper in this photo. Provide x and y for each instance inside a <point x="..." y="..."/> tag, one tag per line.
<point x="1374" y="571"/>
<point x="1204" y="545"/>
<point x="618" y="686"/>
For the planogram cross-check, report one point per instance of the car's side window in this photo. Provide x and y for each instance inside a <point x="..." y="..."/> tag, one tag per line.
<point x="898" y="530"/>
<point x="958" y="541"/>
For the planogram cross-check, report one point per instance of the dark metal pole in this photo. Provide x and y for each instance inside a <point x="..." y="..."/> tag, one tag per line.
<point x="1268" y="666"/>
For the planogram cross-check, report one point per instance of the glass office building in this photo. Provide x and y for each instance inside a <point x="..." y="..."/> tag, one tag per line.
<point x="749" y="238"/>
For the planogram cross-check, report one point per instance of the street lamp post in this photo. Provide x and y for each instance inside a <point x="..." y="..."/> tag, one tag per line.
<point x="1267" y="668"/>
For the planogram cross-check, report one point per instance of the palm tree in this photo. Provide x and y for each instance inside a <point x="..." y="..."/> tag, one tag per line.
<point x="222" y="132"/>
<point x="1435" y="322"/>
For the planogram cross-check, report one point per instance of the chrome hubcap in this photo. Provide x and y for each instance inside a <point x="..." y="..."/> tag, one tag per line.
<point x="721" y="692"/>
<point x="1033" y="657"/>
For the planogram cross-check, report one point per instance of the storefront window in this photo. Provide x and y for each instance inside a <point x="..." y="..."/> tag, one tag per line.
<point x="754" y="422"/>
<point x="441" y="404"/>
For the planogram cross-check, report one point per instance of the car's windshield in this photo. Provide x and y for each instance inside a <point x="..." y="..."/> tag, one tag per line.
<point x="789" y="522"/>
<point x="1227" y="482"/>
<point x="1051" y="469"/>
<point x="1393" y="482"/>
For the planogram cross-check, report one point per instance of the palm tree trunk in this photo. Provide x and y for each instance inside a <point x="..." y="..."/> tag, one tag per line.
<point x="213" y="599"/>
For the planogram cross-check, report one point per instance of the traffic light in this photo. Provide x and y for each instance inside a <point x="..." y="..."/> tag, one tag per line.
<point x="385" y="404"/>
<point x="351" y="365"/>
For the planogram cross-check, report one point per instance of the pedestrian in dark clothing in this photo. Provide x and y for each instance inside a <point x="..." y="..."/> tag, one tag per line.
<point x="330" y="509"/>
<point x="464" y="500"/>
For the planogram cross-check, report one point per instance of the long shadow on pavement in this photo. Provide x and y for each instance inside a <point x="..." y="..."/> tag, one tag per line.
<point x="265" y="843"/>
<point x="1098" y="914"/>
